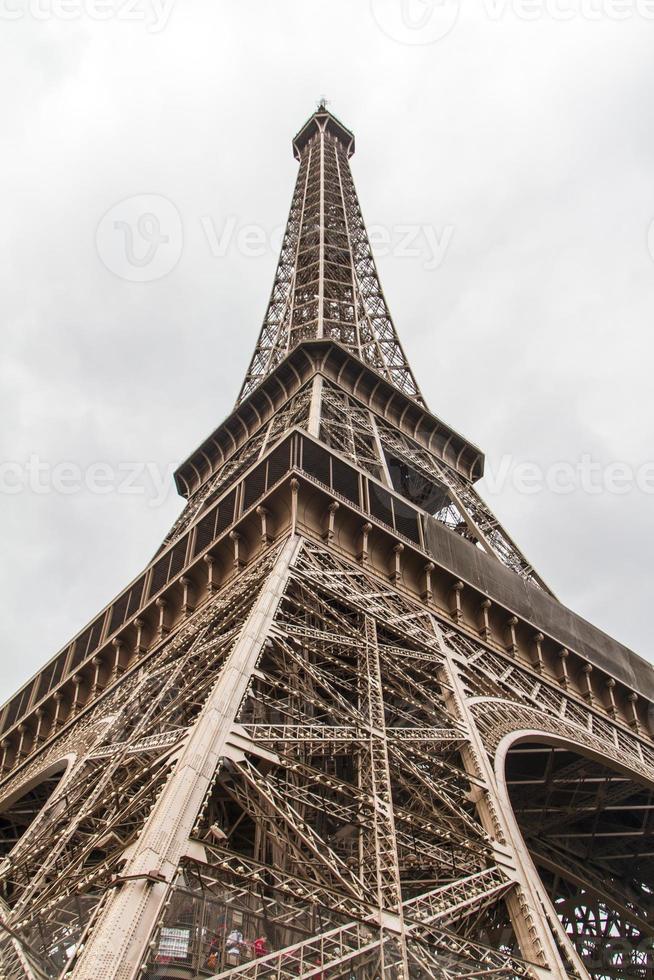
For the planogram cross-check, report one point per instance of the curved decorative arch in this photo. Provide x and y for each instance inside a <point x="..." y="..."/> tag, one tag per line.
<point x="497" y="718"/>
<point x="22" y="808"/>
<point x="608" y="902"/>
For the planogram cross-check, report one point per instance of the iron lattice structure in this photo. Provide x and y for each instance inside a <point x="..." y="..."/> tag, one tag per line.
<point x="339" y="727"/>
<point x="326" y="284"/>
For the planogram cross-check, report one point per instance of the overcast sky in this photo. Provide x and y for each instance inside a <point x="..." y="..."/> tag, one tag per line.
<point x="506" y="164"/>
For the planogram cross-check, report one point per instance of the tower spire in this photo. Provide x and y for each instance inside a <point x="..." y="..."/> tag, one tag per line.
<point x="326" y="286"/>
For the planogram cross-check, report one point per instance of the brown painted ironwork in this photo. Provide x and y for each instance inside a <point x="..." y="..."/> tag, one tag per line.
<point x="339" y="727"/>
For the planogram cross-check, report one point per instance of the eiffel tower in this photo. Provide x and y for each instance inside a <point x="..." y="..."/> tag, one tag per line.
<point x="339" y="727"/>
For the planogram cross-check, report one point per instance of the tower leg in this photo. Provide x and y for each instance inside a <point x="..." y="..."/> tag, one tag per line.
<point x="523" y="903"/>
<point x="378" y="850"/>
<point x="116" y="946"/>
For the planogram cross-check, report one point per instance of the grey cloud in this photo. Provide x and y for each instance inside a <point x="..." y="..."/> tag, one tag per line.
<point x="533" y="336"/>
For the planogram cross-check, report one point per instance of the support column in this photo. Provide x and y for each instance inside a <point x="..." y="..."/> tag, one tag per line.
<point x="378" y="858"/>
<point x="114" y="948"/>
<point x="315" y="407"/>
<point x="536" y="941"/>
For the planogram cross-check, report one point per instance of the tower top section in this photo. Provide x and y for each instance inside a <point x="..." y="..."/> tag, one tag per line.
<point x="323" y="122"/>
<point x="326" y="286"/>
